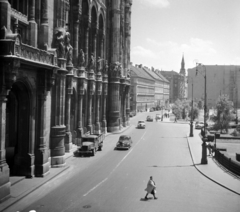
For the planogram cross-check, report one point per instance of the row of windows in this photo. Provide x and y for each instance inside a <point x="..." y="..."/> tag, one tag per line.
<point x="144" y="81"/>
<point x="145" y="90"/>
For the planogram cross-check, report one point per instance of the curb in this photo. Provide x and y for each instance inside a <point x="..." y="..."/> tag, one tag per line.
<point x="215" y="181"/>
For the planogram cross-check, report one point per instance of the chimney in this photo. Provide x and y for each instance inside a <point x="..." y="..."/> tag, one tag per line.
<point x="140" y="66"/>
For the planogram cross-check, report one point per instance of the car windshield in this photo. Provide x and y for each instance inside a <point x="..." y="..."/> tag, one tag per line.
<point x="122" y="138"/>
<point x="140" y="122"/>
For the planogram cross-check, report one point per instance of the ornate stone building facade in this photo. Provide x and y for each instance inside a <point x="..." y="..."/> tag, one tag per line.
<point x="65" y="71"/>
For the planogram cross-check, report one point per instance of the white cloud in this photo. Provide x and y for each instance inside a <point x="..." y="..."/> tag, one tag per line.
<point x="142" y="52"/>
<point x="195" y="45"/>
<point x="168" y="55"/>
<point x="155" y="3"/>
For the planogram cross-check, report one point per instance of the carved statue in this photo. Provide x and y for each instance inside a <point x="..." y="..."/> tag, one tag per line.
<point x="81" y="61"/>
<point x="128" y="73"/>
<point x="91" y="62"/>
<point x="60" y="37"/>
<point x="99" y="65"/>
<point x="105" y="70"/>
<point x="68" y="49"/>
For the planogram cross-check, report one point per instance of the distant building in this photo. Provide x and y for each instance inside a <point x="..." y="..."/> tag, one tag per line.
<point x="159" y="87"/>
<point x="142" y="89"/>
<point x="175" y="84"/>
<point x="221" y="79"/>
<point x="166" y="88"/>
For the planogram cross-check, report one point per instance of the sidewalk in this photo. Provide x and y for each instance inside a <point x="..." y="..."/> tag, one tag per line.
<point x="212" y="170"/>
<point x="21" y="186"/>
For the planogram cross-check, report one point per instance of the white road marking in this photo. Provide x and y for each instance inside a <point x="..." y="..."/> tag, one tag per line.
<point x="114" y="168"/>
<point x="95" y="187"/>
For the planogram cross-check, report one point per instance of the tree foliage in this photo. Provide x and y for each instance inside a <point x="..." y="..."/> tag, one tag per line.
<point x="195" y="111"/>
<point x="223" y="116"/>
<point x="181" y="109"/>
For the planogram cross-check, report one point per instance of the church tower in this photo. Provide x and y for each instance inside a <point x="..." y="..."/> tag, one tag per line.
<point x="183" y="87"/>
<point x="182" y="70"/>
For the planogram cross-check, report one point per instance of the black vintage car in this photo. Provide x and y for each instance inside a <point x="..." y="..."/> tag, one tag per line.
<point x="124" y="142"/>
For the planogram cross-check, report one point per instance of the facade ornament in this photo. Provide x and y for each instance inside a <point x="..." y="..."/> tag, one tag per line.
<point x="68" y="50"/>
<point x="81" y="60"/>
<point x="128" y="73"/>
<point x="105" y="69"/>
<point x="99" y="64"/>
<point x="91" y="62"/>
<point x="60" y="38"/>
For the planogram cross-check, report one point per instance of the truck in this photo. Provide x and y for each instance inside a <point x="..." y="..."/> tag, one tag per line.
<point x="90" y="144"/>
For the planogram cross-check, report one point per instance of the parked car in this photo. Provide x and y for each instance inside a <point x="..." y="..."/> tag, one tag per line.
<point x="132" y="113"/>
<point x="124" y="142"/>
<point x="141" y="124"/>
<point x="149" y="118"/>
<point x="199" y="125"/>
<point x="152" y="109"/>
<point x="158" y="117"/>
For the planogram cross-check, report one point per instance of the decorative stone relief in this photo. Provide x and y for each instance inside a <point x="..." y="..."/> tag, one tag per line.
<point x="81" y="58"/>
<point x="68" y="50"/>
<point x="60" y="39"/>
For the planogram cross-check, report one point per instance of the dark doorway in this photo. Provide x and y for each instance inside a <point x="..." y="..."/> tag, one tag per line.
<point x="17" y="129"/>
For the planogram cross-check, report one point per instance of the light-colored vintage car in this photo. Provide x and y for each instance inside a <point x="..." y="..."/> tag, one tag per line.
<point x="141" y="124"/>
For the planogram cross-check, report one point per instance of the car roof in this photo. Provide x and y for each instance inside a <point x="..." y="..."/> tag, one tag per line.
<point x="124" y="136"/>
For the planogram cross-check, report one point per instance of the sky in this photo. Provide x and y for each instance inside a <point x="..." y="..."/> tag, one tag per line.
<point x="204" y="31"/>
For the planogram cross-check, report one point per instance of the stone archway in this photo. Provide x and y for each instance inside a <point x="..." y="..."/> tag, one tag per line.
<point x="17" y="131"/>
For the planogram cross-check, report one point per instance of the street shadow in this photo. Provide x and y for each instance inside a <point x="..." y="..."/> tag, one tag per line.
<point x="145" y="200"/>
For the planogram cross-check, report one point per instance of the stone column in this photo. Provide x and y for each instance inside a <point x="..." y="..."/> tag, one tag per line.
<point x="42" y="153"/>
<point x="76" y="22"/>
<point x="115" y="72"/>
<point x="44" y="26"/>
<point x="127" y="34"/>
<point x="8" y="73"/>
<point x="4" y="169"/>
<point x="81" y="91"/>
<point x="5" y="11"/>
<point x="68" y="137"/>
<point x="58" y="129"/>
<point x="33" y="28"/>
<point x="123" y="99"/>
<point x="127" y="102"/>
<point x="104" y="93"/>
<point x="91" y="91"/>
<point x="115" y="45"/>
<point x="98" y="95"/>
<point x="87" y="39"/>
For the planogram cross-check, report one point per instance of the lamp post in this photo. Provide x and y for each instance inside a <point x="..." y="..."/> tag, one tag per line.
<point x="191" y="125"/>
<point x="204" y="139"/>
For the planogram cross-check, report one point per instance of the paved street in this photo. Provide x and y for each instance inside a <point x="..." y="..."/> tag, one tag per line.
<point x="115" y="180"/>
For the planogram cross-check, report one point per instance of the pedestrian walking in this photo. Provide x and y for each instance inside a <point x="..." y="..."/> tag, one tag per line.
<point x="151" y="188"/>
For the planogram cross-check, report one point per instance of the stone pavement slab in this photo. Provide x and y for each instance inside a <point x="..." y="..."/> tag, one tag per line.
<point x="212" y="170"/>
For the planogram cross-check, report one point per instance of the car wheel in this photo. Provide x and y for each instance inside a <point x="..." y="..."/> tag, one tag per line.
<point x="93" y="152"/>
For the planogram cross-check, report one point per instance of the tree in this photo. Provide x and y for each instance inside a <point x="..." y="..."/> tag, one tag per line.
<point x="195" y="111"/>
<point x="200" y="104"/>
<point x="180" y="108"/>
<point x="223" y="116"/>
<point x="177" y="108"/>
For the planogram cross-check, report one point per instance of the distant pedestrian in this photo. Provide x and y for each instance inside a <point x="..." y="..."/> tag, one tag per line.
<point x="151" y="188"/>
<point x="175" y="119"/>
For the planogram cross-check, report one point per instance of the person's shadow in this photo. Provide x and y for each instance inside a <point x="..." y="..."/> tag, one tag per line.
<point x="145" y="200"/>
